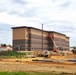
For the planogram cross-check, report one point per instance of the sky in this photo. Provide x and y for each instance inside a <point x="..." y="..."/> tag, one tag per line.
<point x="56" y="15"/>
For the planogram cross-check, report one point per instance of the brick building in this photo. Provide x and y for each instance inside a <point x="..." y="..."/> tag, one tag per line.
<point x="29" y="38"/>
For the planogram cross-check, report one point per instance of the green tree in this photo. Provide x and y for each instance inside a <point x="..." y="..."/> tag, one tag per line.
<point x="3" y="45"/>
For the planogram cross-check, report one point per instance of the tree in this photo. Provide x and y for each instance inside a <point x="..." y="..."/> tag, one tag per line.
<point x="74" y="47"/>
<point x="3" y="45"/>
<point x="9" y="45"/>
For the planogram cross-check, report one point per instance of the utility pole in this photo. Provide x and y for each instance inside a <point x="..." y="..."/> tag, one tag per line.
<point x="42" y="37"/>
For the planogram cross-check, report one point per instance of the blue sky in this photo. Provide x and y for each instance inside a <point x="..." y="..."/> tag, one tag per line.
<point x="56" y="15"/>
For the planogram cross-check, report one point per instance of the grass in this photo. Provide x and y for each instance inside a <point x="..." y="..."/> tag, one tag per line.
<point x="34" y="73"/>
<point x="26" y="73"/>
<point x="13" y="54"/>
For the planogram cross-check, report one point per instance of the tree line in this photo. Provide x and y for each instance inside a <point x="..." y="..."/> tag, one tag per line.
<point x="4" y="45"/>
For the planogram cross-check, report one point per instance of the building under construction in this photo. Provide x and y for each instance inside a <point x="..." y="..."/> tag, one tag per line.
<point x="29" y="38"/>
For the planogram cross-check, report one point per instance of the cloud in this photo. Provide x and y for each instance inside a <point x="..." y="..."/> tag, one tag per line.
<point x="15" y="20"/>
<point x="57" y="15"/>
<point x="61" y="3"/>
<point x="61" y="26"/>
<point x="13" y="6"/>
<point x="66" y="4"/>
<point x="18" y="7"/>
<point x="19" y="1"/>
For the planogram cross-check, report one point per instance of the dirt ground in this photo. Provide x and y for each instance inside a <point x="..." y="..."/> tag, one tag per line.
<point x="37" y="67"/>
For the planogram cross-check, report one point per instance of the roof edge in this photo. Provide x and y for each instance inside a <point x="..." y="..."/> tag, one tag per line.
<point x="38" y="29"/>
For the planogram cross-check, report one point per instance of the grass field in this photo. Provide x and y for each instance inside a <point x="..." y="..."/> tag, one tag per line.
<point x="22" y="73"/>
<point x="26" y="73"/>
<point x="14" y="54"/>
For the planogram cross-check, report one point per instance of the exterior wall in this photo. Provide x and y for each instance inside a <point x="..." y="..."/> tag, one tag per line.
<point x="27" y="38"/>
<point x="19" y="38"/>
<point x="36" y="39"/>
<point x="67" y="43"/>
<point x="18" y="34"/>
<point x="61" y="41"/>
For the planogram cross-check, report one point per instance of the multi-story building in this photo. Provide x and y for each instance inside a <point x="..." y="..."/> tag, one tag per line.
<point x="29" y="38"/>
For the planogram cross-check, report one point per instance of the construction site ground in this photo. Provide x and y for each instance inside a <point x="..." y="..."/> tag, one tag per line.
<point x="27" y="65"/>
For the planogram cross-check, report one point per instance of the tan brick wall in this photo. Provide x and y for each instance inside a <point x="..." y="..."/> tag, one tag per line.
<point x="27" y="31"/>
<point x="18" y="34"/>
<point x="38" y="32"/>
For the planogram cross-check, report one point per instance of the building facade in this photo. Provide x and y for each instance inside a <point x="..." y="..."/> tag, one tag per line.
<point x="29" y="38"/>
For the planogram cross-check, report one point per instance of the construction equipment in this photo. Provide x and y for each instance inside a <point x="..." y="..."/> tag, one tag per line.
<point x="56" y="48"/>
<point x="40" y="53"/>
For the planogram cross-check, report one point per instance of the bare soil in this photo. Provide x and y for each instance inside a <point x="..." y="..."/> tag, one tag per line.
<point x="30" y="66"/>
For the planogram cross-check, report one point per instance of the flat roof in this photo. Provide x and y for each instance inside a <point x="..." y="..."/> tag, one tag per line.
<point x="38" y="29"/>
<point x="29" y="28"/>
